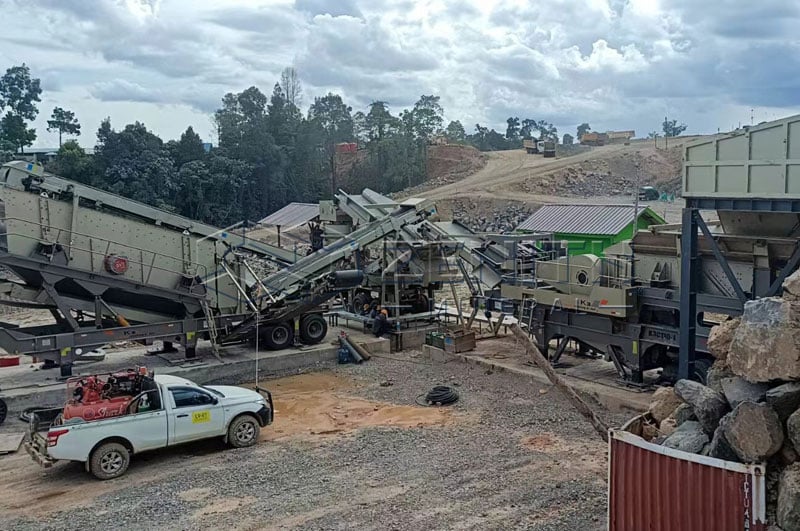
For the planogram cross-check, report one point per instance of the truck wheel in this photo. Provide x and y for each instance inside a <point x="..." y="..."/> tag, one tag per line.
<point x="278" y="337"/>
<point x="313" y="329"/>
<point x="243" y="431"/>
<point x="110" y="461"/>
<point x="3" y="411"/>
<point x="701" y="368"/>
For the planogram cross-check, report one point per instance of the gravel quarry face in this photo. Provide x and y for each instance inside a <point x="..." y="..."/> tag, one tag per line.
<point x="350" y="449"/>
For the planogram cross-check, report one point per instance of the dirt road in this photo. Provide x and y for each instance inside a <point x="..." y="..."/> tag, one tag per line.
<point x="350" y="449"/>
<point x="504" y="176"/>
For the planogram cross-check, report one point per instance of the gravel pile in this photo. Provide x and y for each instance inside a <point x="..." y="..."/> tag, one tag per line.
<point x="476" y="472"/>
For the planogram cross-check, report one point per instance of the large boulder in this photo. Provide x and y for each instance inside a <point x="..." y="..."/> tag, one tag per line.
<point x="793" y="429"/>
<point x="788" y="513"/>
<point x="689" y="437"/>
<point x="719" y="446"/>
<point x="738" y="390"/>
<point x="663" y="403"/>
<point x="766" y="345"/>
<point x="683" y="413"/>
<point x="753" y="431"/>
<point x="719" y="340"/>
<point x="719" y="370"/>
<point x="709" y="406"/>
<point x="791" y="287"/>
<point x="784" y="399"/>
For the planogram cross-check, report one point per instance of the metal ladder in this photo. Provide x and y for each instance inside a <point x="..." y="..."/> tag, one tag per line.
<point x="212" y="328"/>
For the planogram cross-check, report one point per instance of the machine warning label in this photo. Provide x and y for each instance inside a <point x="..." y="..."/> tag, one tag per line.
<point x="201" y="416"/>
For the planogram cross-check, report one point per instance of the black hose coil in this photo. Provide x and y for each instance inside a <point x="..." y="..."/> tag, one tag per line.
<point x="441" y="395"/>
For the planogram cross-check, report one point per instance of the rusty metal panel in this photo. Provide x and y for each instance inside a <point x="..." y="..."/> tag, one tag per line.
<point x="654" y="488"/>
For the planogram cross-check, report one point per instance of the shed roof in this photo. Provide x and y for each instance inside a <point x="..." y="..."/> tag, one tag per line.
<point x="292" y="215"/>
<point x="586" y="219"/>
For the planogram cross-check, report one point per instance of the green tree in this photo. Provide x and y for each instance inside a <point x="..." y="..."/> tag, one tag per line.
<point x="135" y="163"/>
<point x="582" y="130"/>
<point x="455" y="132"/>
<point x="379" y="121"/>
<point x="189" y="148"/>
<point x="15" y="132"/>
<point x="672" y="128"/>
<point x="512" y="131"/>
<point x="64" y="122"/>
<point x="568" y="139"/>
<point x="528" y="126"/>
<point x="428" y="117"/>
<point x="73" y="163"/>
<point x="19" y="92"/>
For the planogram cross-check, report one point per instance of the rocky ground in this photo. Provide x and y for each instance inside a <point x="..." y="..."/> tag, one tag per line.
<point x="352" y="452"/>
<point x="612" y="176"/>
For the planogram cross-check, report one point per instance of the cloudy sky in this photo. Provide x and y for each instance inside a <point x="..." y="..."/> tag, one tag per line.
<point x="618" y="64"/>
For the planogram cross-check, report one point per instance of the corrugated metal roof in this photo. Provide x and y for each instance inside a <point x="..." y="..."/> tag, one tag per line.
<point x="585" y="219"/>
<point x="292" y="215"/>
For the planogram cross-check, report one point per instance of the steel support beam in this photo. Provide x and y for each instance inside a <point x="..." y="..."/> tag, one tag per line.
<point x="690" y="275"/>
<point x="788" y="269"/>
<point x="723" y="262"/>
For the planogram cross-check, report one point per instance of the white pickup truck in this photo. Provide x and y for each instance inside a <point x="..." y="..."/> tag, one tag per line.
<point x="168" y="411"/>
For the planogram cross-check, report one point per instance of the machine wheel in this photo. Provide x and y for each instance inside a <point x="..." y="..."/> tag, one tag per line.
<point x="701" y="367"/>
<point x="359" y="300"/>
<point x="3" y="411"/>
<point x="313" y="329"/>
<point x="278" y="337"/>
<point x="109" y="461"/>
<point x="243" y="431"/>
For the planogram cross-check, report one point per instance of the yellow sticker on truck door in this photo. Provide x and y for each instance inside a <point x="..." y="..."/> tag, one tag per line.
<point x="201" y="416"/>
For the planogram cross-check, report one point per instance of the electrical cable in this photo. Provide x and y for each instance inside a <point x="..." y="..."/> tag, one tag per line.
<point x="441" y="395"/>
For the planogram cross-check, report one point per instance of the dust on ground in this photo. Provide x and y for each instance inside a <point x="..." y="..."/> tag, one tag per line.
<point x="316" y="405"/>
<point x="308" y="407"/>
<point x="504" y="456"/>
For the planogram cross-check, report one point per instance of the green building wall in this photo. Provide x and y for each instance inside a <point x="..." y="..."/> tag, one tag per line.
<point x="597" y="243"/>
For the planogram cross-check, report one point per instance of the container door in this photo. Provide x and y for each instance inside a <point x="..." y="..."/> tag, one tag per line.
<point x="195" y="415"/>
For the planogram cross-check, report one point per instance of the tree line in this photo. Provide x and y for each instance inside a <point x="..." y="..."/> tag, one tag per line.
<point x="268" y="151"/>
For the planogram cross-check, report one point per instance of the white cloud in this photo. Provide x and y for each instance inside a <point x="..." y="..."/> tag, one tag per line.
<point x="614" y="63"/>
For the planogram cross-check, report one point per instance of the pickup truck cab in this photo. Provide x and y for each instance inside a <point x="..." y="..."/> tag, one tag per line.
<point x="168" y="411"/>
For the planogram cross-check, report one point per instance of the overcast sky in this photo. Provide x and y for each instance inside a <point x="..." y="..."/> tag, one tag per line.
<point x="618" y="64"/>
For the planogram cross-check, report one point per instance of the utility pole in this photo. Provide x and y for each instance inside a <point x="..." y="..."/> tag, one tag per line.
<point x="635" y="219"/>
<point x="666" y="135"/>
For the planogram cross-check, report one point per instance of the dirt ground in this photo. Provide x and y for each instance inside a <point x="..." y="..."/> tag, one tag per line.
<point x="351" y="449"/>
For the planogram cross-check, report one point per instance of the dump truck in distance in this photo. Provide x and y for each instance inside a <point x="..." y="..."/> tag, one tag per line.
<point x="531" y="147"/>
<point x="594" y="139"/>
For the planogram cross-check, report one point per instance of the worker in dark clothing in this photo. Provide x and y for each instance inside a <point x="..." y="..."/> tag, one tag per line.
<point x="380" y="325"/>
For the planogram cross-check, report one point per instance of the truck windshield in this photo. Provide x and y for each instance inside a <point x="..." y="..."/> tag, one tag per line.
<point x="214" y="391"/>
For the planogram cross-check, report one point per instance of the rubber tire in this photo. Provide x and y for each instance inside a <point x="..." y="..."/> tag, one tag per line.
<point x="359" y="300"/>
<point x="701" y="367"/>
<point x="313" y="329"/>
<point x="96" y="460"/>
<point x="243" y="424"/>
<point x="3" y="411"/>
<point x="278" y="337"/>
